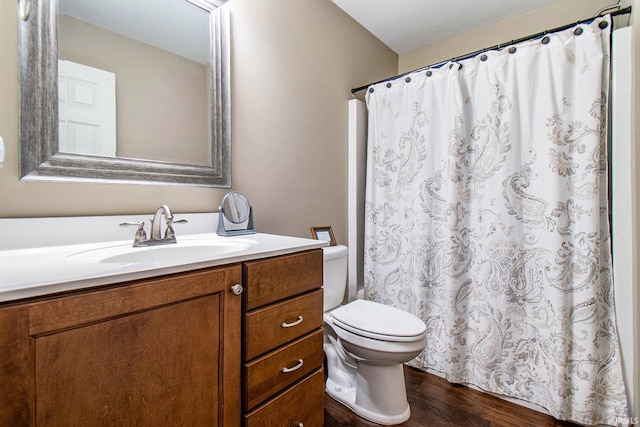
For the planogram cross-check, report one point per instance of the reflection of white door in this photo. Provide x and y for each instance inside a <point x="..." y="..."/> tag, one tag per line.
<point x="87" y="109"/>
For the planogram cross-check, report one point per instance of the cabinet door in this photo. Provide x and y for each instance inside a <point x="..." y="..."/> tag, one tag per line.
<point x="146" y="354"/>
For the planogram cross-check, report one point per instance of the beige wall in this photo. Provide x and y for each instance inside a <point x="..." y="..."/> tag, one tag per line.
<point x="293" y="65"/>
<point x="558" y="14"/>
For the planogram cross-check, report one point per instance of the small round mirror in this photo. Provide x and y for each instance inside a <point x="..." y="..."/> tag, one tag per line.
<point x="235" y="207"/>
<point x="236" y="215"/>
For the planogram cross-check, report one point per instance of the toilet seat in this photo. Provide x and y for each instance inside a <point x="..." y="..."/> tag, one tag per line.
<point x="378" y="321"/>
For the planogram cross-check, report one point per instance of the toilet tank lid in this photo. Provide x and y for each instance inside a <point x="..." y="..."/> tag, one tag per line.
<point x="332" y="252"/>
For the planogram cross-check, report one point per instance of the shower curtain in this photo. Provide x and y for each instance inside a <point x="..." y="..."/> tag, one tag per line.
<point x="487" y="217"/>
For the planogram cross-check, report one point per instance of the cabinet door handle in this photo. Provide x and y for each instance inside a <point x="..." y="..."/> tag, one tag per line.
<point x="294" y="368"/>
<point x="237" y="289"/>
<point x="297" y="322"/>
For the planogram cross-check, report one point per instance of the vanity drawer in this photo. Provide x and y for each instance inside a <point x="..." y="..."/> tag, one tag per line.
<point x="302" y="404"/>
<point x="277" y="370"/>
<point x="275" y="279"/>
<point x="270" y="327"/>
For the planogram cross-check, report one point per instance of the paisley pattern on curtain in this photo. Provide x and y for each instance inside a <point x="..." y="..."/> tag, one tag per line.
<point x="487" y="217"/>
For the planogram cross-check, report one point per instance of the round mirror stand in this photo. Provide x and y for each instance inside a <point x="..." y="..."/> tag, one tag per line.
<point x="235" y="217"/>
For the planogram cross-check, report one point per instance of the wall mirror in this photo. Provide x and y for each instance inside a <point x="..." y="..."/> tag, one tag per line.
<point x="161" y="68"/>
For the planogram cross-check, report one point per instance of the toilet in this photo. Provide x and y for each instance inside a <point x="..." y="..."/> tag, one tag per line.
<point x="366" y="344"/>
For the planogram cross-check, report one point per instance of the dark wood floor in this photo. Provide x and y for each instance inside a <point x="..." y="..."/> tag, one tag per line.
<point x="435" y="402"/>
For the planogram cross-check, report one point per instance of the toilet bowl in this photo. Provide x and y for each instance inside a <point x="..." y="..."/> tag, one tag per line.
<point x="366" y="344"/>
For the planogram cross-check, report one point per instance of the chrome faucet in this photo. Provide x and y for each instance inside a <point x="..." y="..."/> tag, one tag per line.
<point x="156" y="232"/>
<point x="156" y="238"/>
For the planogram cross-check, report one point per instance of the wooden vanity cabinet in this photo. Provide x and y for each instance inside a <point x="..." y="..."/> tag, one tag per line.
<point x="180" y="349"/>
<point x="164" y="351"/>
<point x="283" y="377"/>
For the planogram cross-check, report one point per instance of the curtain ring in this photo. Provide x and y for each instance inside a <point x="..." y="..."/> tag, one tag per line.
<point x="578" y="31"/>
<point x="408" y="80"/>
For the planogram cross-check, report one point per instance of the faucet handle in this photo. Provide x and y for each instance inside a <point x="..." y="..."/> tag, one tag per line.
<point x="140" y="236"/>
<point x="169" y="233"/>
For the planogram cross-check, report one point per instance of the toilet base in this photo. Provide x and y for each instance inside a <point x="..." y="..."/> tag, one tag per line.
<point x="382" y="397"/>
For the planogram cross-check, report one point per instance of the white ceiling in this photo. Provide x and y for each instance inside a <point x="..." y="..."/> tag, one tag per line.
<point x="404" y="25"/>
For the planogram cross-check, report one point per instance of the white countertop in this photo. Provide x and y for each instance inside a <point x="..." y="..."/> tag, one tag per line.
<point x="32" y="272"/>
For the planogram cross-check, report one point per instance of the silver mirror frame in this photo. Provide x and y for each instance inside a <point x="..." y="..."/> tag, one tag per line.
<point x="40" y="159"/>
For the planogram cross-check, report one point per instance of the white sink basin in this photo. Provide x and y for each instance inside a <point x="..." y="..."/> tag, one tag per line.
<point x="181" y="252"/>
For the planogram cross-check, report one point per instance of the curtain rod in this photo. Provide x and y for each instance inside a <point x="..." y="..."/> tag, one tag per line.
<point x="496" y="47"/>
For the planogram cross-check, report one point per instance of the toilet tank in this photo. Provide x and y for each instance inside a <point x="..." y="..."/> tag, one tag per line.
<point x="334" y="275"/>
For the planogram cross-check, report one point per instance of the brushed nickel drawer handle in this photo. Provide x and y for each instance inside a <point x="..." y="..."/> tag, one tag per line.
<point x="297" y="322"/>
<point x="294" y="368"/>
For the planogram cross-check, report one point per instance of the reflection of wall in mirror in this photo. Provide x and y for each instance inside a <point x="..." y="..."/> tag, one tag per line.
<point x="162" y="98"/>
